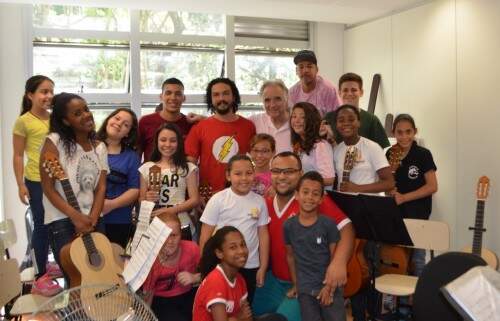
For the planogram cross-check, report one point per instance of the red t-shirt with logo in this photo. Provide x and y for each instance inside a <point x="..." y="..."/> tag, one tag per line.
<point x="279" y="263"/>
<point x="214" y="142"/>
<point x="216" y="288"/>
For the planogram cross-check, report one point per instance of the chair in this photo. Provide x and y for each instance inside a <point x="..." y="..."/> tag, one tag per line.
<point x="425" y="234"/>
<point x="429" y="304"/>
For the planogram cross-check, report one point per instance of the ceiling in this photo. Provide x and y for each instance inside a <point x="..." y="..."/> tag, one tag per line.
<point x="338" y="11"/>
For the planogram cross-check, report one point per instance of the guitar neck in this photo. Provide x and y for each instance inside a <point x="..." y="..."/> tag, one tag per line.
<point x="70" y="195"/>
<point x="477" y="241"/>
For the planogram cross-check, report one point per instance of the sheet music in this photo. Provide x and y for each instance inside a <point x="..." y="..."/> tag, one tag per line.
<point x="477" y="292"/>
<point x="142" y="223"/>
<point x="142" y="259"/>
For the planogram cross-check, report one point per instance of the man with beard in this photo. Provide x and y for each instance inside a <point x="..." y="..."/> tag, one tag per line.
<point x="286" y="170"/>
<point x="214" y="140"/>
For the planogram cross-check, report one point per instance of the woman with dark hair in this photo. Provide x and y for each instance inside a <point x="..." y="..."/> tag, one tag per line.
<point x="178" y="181"/>
<point x="119" y="133"/>
<point x="29" y="132"/>
<point x="84" y="161"/>
<point x="315" y="153"/>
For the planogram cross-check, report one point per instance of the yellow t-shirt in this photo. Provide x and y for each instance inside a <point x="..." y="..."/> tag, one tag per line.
<point x="34" y="130"/>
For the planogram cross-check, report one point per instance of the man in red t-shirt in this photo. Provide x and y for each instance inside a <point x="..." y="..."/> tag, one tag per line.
<point x="286" y="170"/>
<point x="214" y="140"/>
<point x="172" y="97"/>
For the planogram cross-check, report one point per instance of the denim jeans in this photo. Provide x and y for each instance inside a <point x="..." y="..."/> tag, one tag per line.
<point x="312" y="310"/>
<point x="61" y="232"/>
<point x="40" y="238"/>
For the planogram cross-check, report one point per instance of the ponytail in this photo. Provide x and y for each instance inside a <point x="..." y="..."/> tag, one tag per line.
<point x="31" y="86"/>
<point x="209" y="259"/>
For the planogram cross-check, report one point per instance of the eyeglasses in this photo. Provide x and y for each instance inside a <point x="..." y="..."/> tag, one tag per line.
<point x="286" y="171"/>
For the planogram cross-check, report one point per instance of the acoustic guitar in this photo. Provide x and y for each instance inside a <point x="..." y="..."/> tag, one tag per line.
<point x="483" y="187"/>
<point x="154" y="182"/>
<point x="394" y="259"/>
<point x="89" y="259"/>
<point x="357" y="268"/>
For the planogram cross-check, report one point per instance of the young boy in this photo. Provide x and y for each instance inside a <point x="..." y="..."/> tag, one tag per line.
<point x="310" y="240"/>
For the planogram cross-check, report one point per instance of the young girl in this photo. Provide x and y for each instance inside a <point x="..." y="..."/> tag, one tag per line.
<point x="238" y="206"/>
<point x="177" y="177"/>
<point x="30" y="129"/>
<point x="119" y="133"/>
<point x="371" y="172"/>
<point x="85" y="163"/>
<point x="262" y="149"/>
<point x="415" y="177"/>
<point x="169" y="285"/>
<point x="222" y="295"/>
<point x="315" y="153"/>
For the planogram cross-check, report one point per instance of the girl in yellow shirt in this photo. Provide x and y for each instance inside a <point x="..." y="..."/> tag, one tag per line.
<point x="30" y="130"/>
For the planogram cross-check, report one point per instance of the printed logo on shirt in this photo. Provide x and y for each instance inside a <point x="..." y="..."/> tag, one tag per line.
<point x="413" y="172"/>
<point x="229" y="306"/>
<point x="168" y="181"/>
<point x="318" y="239"/>
<point x="224" y="148"/>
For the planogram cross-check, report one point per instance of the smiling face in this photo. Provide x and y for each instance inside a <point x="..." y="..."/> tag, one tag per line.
<point x="405" y="134"/>
<point x="275" y="102"/>
<point x="261" y="154"/>
<point x="350" y="93"/>
<point x="298" y="121"/>
<point x="234" y="251"/>
<point x="172" y="98"/>
<point x="42" y="97"/>
<point x="309" y="195"/>
<point x="347" y="123"/>
<point x="307" y="72"/>
<point x="222" y="98"/>
<point x="167" y="143"/>
<point x="241" y="176"/>
<point x="119" y="125"/>
<point x="78" y="116"/>
<point x="285" y="175"/>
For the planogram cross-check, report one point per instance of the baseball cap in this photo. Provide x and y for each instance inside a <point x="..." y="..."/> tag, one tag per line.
<point x="305" y="55"/>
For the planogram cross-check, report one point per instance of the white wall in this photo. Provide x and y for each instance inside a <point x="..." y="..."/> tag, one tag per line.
<point x="13" y="74"/>
<point x="439" y="62"/>
<point x="329" y="49"/>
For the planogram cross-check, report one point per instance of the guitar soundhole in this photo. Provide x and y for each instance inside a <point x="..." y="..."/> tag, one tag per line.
<point x="95" y="259"/>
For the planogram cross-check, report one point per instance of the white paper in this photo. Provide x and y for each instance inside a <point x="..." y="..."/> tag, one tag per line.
<point x="149" y="245"/>
<point x="477" y="292"/>
<point x="142" y="223"/>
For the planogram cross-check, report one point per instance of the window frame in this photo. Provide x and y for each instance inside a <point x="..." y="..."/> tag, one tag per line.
<point x="134" y="98"/>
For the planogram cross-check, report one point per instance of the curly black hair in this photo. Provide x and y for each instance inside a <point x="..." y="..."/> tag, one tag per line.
<point x="57" y="125"/>
<point x="129" y="141"/>
<point x="234" y="90"/>
<point x="312" y="123"/>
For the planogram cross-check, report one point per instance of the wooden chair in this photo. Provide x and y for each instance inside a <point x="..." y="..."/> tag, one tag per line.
<point x="425" y="234"/>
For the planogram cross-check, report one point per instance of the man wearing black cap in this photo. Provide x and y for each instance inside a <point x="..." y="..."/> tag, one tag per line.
<point x="312" y="88"/>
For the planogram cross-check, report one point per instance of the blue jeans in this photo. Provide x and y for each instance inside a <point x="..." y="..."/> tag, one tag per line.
<point x="40" y="238"/>
<point x="61" y="232"/>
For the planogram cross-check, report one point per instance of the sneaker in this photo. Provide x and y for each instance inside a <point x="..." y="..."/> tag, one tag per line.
<point x="53" y="270"/>
<point x="45" y="286"/>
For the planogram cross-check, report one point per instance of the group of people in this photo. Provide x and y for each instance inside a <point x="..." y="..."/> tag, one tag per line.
<point x="254" y="236"/>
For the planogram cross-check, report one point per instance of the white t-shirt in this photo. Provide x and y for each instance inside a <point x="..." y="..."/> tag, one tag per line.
<point x="83" y="170"/>
<point x="246" y="213"/>
<point x="282" y="135"/>
<point x="320" y="159"/>
<point x="370" y="158"/>
<point x="173" y="187"/>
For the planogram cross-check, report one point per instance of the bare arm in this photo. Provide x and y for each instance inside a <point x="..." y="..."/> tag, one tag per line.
<point x="263" y="232"/>
<point x="206" y="233"/>
<point x="292" y="292"/>
<point x="336" y="274"/>
<point x="99" y="194"/>
<point x="430" y="187"/>
<point x="19" y="144"/>
<point x="81" y="221"/>
<point x="127" y="198"/>
<point x="192" y="159"/>
<point x="190" y="203"/>
<point x="384" y="184"/>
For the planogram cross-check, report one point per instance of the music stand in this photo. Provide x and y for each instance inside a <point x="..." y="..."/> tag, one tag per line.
<point x="375" y="218"/>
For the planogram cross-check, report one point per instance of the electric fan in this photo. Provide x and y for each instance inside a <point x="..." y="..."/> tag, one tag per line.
<point x="95" y="303"/>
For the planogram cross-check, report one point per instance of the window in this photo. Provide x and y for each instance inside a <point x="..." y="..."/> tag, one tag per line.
<point x="118" y="57"/>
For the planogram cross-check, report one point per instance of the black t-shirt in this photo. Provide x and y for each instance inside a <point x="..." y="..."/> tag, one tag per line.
<point x="410" y="177"/>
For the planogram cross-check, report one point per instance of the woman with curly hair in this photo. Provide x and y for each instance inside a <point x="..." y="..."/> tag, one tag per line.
<point x="315" y="153"/>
